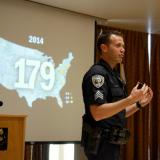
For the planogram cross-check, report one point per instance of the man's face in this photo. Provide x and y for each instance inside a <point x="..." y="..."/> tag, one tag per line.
<point x="115" y="49"/>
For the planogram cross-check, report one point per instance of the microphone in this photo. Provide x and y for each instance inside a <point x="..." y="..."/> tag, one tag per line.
<point x="1" y="103"/>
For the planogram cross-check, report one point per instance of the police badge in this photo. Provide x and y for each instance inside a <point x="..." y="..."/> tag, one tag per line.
<point x="98" y="81"/>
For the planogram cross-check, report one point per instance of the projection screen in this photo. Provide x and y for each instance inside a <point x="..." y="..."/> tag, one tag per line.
<point x="44" y="53"/>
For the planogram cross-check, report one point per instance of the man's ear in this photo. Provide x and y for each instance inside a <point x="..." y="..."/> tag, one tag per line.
<point x="104" y="47"/>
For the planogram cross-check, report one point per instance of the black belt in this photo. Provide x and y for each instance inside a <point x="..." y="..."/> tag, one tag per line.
<point x="116" y="135"/>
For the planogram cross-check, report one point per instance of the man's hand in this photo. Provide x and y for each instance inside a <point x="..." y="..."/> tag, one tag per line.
<point x="138" y="94"/>
<point x="147" y="97"/>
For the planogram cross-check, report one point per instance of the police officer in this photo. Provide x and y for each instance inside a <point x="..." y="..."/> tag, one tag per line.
<point x="106" y="102"/>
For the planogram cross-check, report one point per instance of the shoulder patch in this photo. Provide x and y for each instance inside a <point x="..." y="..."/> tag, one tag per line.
<point x="98" y="81"/>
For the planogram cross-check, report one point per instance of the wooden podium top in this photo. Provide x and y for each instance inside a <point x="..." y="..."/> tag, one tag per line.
<point x="13" y="115"/>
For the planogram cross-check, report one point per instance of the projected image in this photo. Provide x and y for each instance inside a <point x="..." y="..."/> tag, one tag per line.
<point x="31" y="72"/>
<point x="44" y="53"/>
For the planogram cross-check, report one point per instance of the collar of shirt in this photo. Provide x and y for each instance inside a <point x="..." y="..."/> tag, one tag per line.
<point x="108" y="67"/>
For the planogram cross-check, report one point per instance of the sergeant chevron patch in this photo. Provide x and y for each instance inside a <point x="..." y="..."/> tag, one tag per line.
<point x="98" y="94"/>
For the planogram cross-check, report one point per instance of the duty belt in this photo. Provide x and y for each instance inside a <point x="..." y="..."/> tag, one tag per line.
<point x="116" y="135"/>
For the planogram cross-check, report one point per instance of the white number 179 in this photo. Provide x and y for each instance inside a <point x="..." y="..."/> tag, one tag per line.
<point x="46" y="72"/>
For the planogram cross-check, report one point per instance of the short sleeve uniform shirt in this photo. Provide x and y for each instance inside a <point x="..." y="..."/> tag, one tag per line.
<point x="102" y="85"/>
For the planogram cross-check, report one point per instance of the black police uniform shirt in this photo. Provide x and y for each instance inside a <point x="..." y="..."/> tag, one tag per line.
<point x="102" y="85"/>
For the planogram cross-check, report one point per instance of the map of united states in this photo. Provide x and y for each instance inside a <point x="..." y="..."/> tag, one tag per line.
<point x="32" y="73"/>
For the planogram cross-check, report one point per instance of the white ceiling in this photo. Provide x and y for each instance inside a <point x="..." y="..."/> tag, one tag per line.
<point x="141" y="15"/>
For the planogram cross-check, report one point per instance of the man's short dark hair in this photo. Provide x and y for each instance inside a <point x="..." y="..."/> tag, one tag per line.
<point x="104" y="38"/>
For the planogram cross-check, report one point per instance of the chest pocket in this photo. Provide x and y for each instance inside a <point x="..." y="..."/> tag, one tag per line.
<point x="117" y="92"/>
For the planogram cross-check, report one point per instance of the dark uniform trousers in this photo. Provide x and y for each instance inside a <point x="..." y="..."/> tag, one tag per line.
<point x="107" y="151"/>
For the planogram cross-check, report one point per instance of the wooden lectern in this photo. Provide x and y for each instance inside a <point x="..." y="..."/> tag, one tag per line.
<point x="12" y="137"/>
